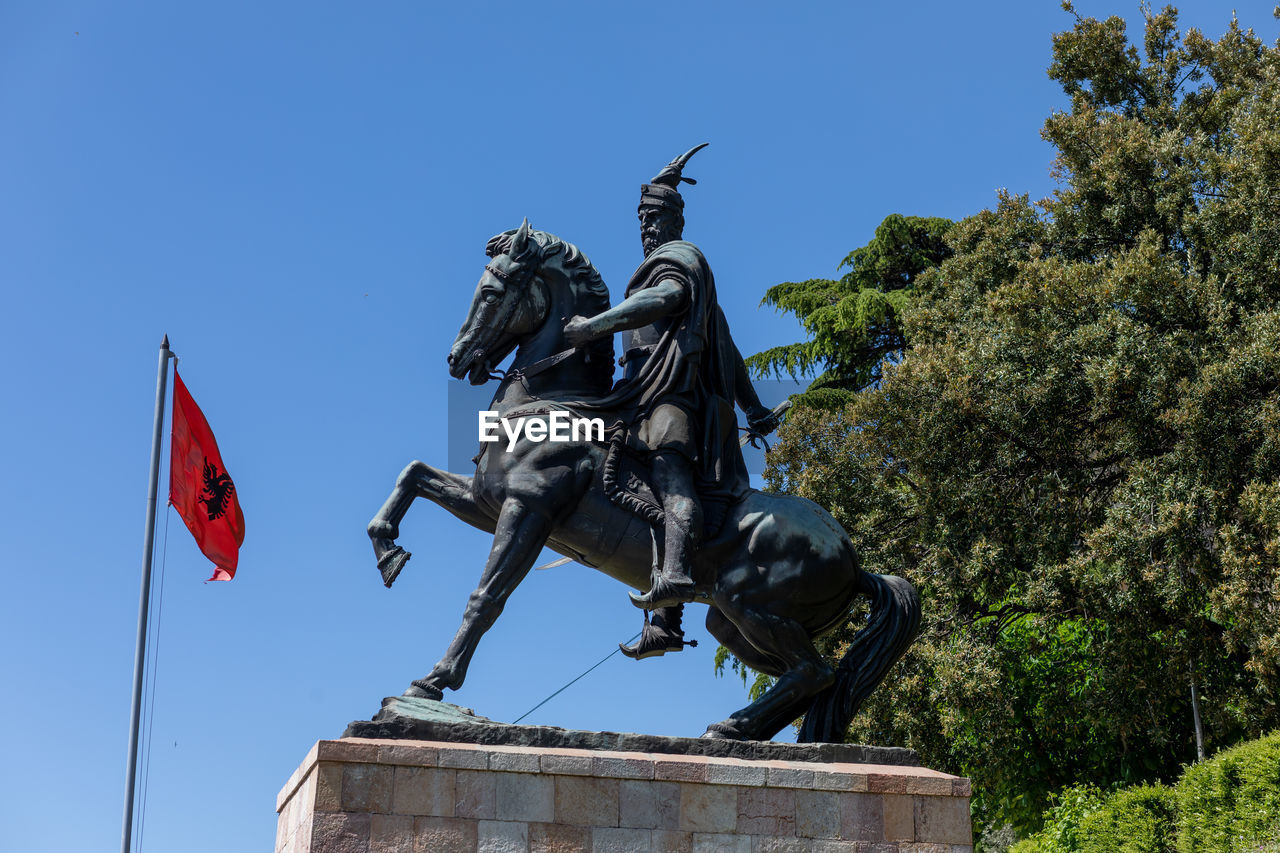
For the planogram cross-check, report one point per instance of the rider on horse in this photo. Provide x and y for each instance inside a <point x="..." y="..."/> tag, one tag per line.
<point x="684" y="375"/>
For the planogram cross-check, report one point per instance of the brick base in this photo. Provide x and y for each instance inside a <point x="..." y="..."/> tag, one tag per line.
<point x="396" y="796"/>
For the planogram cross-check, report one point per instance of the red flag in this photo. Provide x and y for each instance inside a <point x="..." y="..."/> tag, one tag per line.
<point x="200" y="488"/>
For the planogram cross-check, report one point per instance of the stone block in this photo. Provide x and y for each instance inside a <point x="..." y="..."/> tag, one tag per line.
<point x="832" y="845"/>
<point x="501" y="836"/>
<point x="462" y="757"/>
<point x="826" y="780"/>
<point x="586" y="801"/>
<point x="931" y="786"/>
<point x="818" y="814"/>
<point x="671" y="841"/>
<point x="649" y="805"/>
<point x="391" y="834"/>
<point x="412" y="755"/>
<point x="302" y="836"/>
<point x="790" y="776"/>
<point x="340" y="833"/>
<point x="566" y="765"/>
<point x="708" y="808"/>
<point x="444" y="835"/>
<point x="514" y="761"/>
<point x="558" y="838"/>
<point x="348" y="750"/>
<point x="717" y="842"/>
<point x="366" y="788"/>
<point x="680" y="769"/>
<point x="731" y="772"/>
<point x="899" y="818"/>
<point x="887" y="783"/>
<point x="861" y="817"/>
<point x="943" y="820"/>
<point x="476" y="795"/>
<point x="621" y="840"/>
<point x="623" y="765"/>
<point x="328" y="777"/>
<point x="767" y="811"/>
<point x="771" y="844"/>
<point x="427" y="791"/>
<point x="525" y="797"/>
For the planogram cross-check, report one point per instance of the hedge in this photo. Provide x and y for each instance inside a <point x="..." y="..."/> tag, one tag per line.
<point x="1227" y="804"/>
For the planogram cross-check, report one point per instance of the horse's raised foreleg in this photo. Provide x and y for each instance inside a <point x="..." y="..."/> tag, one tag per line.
<point x="420" y="480"/>
<point x="518" y="538"/>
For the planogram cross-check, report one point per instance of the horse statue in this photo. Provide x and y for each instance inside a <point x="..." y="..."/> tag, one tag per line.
<point x="777" y="572"/>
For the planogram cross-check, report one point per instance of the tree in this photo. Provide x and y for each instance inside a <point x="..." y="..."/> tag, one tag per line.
<point x="1077" y="459"/>
<point x="854" y="323"/>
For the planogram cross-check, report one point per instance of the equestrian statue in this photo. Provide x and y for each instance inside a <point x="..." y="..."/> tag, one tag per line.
<point x="663" y="502"/>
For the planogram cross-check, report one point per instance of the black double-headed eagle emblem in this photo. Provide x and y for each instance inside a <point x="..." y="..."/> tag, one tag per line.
<point x="217" y="490"/>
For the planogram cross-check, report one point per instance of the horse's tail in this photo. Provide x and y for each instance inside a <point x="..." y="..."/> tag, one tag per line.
<point x="892" y="625"/>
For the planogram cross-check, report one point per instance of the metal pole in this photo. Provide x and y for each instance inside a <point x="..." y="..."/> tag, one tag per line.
<point x="144" y="600"/>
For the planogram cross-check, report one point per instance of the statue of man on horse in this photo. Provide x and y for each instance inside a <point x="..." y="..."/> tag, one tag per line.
<point x="775" y="571"/>
<point x="683" y="375"/>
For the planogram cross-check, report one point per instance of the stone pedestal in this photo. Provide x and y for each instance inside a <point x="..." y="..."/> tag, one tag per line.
<point x="362" y="795"/>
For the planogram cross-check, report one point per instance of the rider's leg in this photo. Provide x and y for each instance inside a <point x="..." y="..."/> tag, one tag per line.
<point x="674" y="483"/>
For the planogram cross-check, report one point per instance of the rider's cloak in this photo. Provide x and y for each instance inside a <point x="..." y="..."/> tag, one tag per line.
<point x="692" y="364"/>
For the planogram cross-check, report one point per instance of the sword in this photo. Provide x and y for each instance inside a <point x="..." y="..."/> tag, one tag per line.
<point x="750" y="437"/>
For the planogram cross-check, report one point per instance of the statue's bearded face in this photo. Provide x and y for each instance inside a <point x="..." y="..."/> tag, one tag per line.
<point x="657" y="226"/>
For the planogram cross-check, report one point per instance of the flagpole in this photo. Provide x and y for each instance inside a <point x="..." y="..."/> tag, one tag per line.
<point x="144" y="600"/>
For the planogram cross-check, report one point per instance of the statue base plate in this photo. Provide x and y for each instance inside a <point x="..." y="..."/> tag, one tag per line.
<point x="409" y="718"/>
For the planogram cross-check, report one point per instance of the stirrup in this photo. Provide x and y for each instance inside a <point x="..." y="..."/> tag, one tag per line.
<point x="666" y="592"/>
<point x="655" y="642"/>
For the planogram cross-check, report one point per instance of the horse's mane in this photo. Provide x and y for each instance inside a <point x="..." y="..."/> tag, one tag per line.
<point x="573" y="260"/>
<point x="586" y="280"/>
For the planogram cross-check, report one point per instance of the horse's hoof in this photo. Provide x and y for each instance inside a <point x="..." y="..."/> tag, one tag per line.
<point x="422" y="690"/>
<point x="391" y="559"/>
<point x="723" y="731"/>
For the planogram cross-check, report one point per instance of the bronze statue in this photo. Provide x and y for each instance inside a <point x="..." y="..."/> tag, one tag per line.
<point x="663" y="504"/>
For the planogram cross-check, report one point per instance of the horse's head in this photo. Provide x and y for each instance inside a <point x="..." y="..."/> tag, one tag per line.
<point x="510" y="303"/>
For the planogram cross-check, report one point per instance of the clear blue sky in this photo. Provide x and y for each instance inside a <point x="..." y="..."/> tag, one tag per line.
<point x="299" y="195"/>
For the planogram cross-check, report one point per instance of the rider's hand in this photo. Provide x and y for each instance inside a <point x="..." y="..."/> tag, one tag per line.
<point x="577" y="332"/>
<point x="762" y="421"/>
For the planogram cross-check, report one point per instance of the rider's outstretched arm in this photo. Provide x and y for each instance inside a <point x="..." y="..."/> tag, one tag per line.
<point x="639" y="309"/>
<point x="744" y="391"/>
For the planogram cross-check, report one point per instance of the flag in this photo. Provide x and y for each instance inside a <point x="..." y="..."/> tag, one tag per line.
<point x="200" y="488"/>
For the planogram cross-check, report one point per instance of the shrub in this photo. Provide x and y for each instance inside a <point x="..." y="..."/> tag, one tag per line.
<point x="1231" y="803"/>
<point x="1136" y="820"/>
<point x="1061" y="833"/>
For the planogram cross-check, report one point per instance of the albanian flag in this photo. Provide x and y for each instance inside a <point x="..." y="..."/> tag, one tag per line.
<point x="200" y="488"/>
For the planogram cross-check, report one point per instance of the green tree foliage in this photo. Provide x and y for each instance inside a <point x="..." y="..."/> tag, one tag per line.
<point x="1077" y="461"/>
<point x="1229" y="804"/>
<point x="854" y="323"/>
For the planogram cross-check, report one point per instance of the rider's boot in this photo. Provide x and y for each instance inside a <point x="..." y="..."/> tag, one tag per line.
<point x="682" y="514"/>
<point x="662" y="633"/>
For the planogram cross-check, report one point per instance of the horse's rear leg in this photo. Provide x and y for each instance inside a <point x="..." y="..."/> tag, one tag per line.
<point x="774" y="645"/>
<point x="419" y="480"/>
<point x="518" y="538"/>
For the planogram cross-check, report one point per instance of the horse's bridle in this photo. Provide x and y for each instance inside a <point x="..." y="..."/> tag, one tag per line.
<point x="519" y="281"/>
